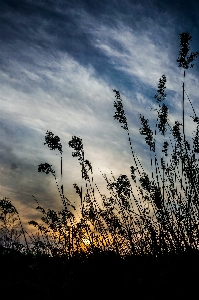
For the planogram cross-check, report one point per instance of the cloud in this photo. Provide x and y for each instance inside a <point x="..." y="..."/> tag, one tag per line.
<point x="86" y="110"/>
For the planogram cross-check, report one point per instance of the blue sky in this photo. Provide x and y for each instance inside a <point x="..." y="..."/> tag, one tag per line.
<point x="59" y="61"/>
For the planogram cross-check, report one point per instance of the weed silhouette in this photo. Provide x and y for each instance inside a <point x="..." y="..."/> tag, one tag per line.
<point x="126" y="250"/>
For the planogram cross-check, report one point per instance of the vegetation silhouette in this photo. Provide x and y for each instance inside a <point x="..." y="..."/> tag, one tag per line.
<point x="144" y="234"/>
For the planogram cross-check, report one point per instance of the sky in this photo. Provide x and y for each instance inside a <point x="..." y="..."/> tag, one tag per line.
<point x="59" y="63"/>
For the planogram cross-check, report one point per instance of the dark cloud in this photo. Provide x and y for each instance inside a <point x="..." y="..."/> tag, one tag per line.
<point x="48" y="27"/>
<point x="14" y="166"/>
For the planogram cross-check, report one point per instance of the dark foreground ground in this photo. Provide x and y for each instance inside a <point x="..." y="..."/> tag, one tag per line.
<point x="104" y="276"/>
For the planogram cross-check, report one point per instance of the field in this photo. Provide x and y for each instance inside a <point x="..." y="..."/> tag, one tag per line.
<point x="105" y="275"/>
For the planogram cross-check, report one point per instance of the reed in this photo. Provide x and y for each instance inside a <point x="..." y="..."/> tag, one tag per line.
<point x="166" y="201"/>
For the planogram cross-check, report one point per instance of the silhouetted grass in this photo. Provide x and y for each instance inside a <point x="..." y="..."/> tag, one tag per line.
<point x="113" y="245"/>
